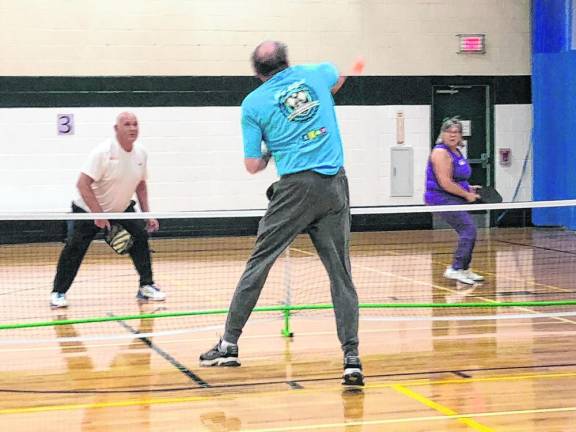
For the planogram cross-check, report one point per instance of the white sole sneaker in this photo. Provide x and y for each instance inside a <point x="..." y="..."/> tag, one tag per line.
<point x="151" y="293"/>
<point x="57" y="301"/>
<point x="474" y="276"/>
<point x="221" y="362"/>
<point x="353" y="378"/>
<point x="458" y="275"/>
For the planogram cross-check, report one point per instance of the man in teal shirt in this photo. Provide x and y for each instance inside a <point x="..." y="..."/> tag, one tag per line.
<point x="292" y="112"/>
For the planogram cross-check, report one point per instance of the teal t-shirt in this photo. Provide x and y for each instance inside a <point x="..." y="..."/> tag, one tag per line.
<point x="293" y="114"/>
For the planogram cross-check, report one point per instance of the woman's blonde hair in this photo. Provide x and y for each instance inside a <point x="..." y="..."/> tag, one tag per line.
<point x="448" y="123"/>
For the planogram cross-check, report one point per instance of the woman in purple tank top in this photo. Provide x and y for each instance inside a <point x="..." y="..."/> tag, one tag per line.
<point x="447" y="177"/>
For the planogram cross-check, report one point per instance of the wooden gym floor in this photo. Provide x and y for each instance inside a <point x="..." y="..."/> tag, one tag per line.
<point x="489" y="369"/>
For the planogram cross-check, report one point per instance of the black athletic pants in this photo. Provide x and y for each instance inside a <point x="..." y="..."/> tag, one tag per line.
<point x="82" y="235"/>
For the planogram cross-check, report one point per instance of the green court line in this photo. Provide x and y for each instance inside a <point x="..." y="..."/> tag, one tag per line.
<point x="286" y="308"/>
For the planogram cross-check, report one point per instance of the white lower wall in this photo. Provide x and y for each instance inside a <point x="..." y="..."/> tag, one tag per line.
<point x="513" y="130"/>
<point x="196" y="157"/>
<point x="369" y="133"/>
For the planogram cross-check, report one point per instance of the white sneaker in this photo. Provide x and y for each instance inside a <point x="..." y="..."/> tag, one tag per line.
<point x="474" y="276"/>
<point x="150" y="293"/>
<point x="58" y="300"/>
<point x="459" y="275"/>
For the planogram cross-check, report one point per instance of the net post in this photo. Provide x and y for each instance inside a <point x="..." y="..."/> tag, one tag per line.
<point x="286" y="331"/>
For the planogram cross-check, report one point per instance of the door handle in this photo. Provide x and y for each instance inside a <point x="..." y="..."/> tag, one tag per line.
<point x="484" y="160"/>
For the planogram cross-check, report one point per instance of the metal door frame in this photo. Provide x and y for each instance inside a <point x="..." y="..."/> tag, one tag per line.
<point x="488" y="155"/>
<point x="482" y="220"/>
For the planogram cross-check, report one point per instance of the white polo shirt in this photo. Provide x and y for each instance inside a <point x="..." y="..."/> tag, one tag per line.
<point x="116" y="174"/>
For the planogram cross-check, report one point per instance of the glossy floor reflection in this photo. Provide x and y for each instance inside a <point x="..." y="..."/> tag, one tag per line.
<point x="501" y="375"/>
<point x="428" y="369"/>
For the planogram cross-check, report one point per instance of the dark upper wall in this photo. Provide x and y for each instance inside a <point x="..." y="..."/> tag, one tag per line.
<point x="229" y="91"/>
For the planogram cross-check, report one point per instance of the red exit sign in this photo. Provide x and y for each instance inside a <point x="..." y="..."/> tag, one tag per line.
<point x="472" y="43"/>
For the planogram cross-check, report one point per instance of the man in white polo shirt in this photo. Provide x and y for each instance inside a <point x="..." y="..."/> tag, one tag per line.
<point x="114" y="171"/>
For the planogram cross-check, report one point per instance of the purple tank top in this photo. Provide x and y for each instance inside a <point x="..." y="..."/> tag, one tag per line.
<point x="461" y="172"/>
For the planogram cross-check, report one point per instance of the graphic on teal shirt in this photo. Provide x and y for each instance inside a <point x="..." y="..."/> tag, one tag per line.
<point x="298" y="102"/>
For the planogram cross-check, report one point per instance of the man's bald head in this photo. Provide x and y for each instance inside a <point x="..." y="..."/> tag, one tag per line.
<point x="126" y="128"/>
<point x="124" y="116"/>
<point x="268" y="58"/>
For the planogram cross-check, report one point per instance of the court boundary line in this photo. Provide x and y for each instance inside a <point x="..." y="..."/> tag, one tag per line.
<point x="532" y="312"/>
<point x="165" y="355"/>
<point x="413" y="420"/>
<point x="163" y="401"/>
<point x="442" y="409"/>
<point x="559" y="316"/>
<point x="264" y="336"/>
<point x="407" y="382"/>
<point x="556" y="316"/>
<point x="531" y="246"/>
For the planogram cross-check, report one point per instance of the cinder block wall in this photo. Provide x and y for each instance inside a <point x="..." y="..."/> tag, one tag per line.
<point x="195" y="149"/>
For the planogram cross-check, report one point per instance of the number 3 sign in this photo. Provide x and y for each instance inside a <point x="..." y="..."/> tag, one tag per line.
<point x="65" y="124"/>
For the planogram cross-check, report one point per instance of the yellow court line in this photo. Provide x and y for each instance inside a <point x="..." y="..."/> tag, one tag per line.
<point x="425" y="381"/>
<point x="306" y="427"/>
<point x="145" y="402"/>
<point x="412" y="420"/>
<point x="442" y="409"/>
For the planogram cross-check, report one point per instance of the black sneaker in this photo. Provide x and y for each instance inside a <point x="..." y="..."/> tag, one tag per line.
<point x="219" y="357"/>
<point x="353" y="376"/>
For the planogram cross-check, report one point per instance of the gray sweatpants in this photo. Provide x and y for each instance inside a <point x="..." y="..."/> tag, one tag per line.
<point x="320" y="205"/>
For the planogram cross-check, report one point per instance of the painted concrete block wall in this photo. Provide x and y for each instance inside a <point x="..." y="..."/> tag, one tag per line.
<point x="196" y="156"/>
<point x="196" y="153"/>
<point x="512" y="130"/>
<point x="216" y="37"/>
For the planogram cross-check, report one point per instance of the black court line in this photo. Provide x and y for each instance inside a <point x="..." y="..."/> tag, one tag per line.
<point x="279" y="382"/>
<point x="461" y="374"/>
<point x="532" y="246"/>
<point x="165" y="356"/>
<point x="294" y="385"/>
<point x="531" y="293"/>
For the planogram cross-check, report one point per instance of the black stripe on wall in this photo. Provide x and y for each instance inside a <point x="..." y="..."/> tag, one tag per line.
<point x="14" y="232"/>
<point x="142" y="91"/>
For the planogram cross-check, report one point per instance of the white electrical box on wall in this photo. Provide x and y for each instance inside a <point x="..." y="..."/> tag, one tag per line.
<point x="402" y="171"/>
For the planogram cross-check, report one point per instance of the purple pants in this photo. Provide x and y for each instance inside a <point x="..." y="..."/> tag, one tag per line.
<point x="462" y="223"/>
